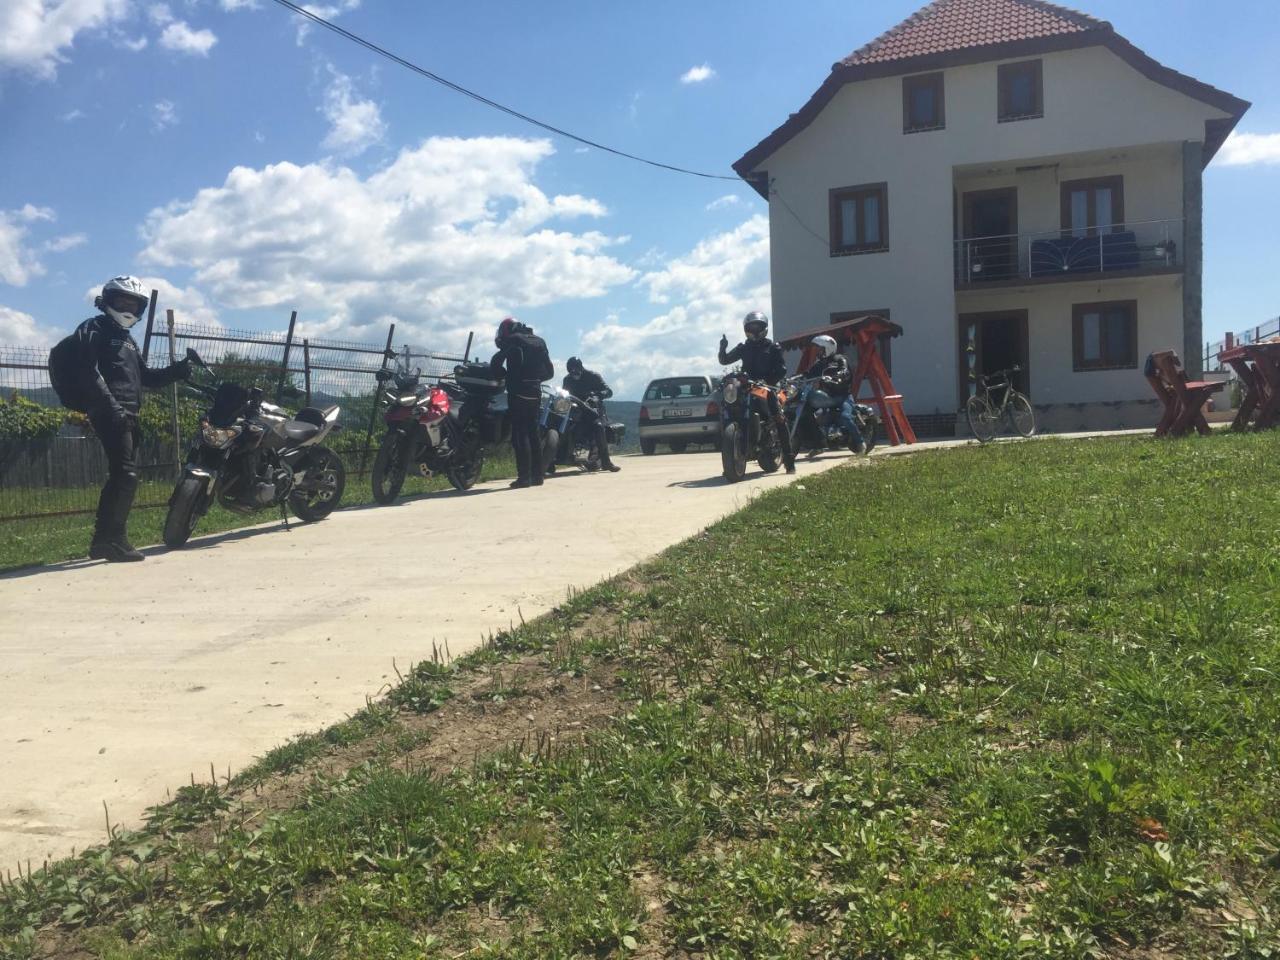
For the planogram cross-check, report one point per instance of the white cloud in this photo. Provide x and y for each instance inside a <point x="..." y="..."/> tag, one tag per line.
<point x="706" y="293"/>
<point x="164" y="114"/>
<point x="728" y="200"/>
<point x="160" y="14"/>
<point x="34" y="33"/>
<point x="18" y="329"/>
<point x="1248" y="149"/>
<point x="73" y="115"/>
<point x="180" y="37"/>
<point x="66" y="242"/>
<point x="19" y="263"/>
<point x="325" y="11"/>
<point x="354" y="124"/>
<point x="453" y="233"/>
<point x="232" y="5"/>
<point x="697" y="74"/>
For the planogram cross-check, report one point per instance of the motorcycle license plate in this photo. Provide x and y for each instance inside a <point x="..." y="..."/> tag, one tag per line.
<point x="677" y="412"/>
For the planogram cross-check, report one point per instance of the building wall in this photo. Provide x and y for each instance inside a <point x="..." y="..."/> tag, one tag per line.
<point x="1093" y="102"/>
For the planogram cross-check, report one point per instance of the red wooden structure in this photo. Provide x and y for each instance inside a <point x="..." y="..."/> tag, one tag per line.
<point x="1258" y="367"/>
<point x="866" y="334"/>
<point x="1183" y="399"/>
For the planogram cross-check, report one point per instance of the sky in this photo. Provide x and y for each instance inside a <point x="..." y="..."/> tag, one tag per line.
<point x="247" y="165"/>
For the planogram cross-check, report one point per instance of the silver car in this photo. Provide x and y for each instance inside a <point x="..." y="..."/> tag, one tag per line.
<point x="679" y="411"/>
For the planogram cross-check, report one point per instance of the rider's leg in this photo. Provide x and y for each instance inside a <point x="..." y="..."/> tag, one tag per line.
<point x="850" y="423"/>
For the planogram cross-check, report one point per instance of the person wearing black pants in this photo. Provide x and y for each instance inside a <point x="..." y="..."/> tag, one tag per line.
<point x="523" y="359"/>
<point x="584" y="384"/>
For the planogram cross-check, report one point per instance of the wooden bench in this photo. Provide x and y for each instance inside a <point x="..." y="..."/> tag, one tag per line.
<point x="1183" y="399"/>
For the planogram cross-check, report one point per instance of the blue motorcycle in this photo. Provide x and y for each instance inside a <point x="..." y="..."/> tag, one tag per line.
<point x="815" y="417"/>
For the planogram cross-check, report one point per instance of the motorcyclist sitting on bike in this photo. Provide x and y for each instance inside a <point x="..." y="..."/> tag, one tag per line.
<point x="584" y="384"/>
<point x="762" y="360"/>
<point x="832" y="367"/>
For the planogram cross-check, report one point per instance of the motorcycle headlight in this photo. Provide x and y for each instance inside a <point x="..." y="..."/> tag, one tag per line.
<point x="561" y="405"/>
<point x="217" y="436"/>
<point x="731" y="391"/>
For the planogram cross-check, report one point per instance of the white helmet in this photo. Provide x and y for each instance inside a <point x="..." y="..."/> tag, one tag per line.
<point x="123" y="299"/>
<point x="826" y="345"/>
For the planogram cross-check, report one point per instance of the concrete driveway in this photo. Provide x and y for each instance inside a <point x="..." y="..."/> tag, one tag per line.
<point x="119" y="681"/>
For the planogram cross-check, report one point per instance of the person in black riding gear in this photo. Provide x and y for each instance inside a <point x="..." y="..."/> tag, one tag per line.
<point x="762" y="360"/>
<point x="520" y="357"/>
<point x="110" y="366"/>
<point x="833" y="368"/>
<point x="583" y="384"/>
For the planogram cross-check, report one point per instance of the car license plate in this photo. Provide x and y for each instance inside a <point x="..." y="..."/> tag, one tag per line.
<point x="677" y="412"/>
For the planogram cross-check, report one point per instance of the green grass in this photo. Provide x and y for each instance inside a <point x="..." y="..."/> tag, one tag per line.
<point x="55" y="539"/>
<point x="1007" y="702"/>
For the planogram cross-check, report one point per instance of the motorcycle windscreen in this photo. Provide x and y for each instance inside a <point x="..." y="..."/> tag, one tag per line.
<point x="227" y="404"/>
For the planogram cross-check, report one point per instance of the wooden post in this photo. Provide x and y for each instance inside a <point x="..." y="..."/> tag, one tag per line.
<point x="306" y="367"/>
<point x="151" y="319"/>
<point x="177" y="428"/>
<point x="373" y="410"/>
<point x="284" y="361"/>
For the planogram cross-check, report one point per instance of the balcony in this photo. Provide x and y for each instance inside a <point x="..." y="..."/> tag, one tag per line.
<point x="1122" y="250"/>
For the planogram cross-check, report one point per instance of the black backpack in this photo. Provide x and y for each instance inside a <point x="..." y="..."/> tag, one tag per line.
<point x="65" y="374"/>
<point x="540" y="366"/>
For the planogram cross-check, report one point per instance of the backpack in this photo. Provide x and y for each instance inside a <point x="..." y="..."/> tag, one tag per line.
<point x="540" y="365"/>
<point x="66" y="376"/>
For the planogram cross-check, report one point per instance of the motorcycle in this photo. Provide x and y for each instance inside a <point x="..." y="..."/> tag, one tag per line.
<point x="251" y="455"/>
<point x="568" y="430"/>
<point x="747" y="430"/>
<point x="815" y="417"/>
<point x="425" y="429"/>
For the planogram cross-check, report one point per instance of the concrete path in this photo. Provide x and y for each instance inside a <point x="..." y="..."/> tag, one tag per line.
<point x="119" y="681"/>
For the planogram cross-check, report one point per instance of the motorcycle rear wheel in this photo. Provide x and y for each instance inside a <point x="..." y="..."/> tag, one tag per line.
<point x="733" y="455"/>
<point x="331" y="479"/>
<point x="389" y="469"/>
<point x="869" y="435"/>
<point x="184" y="512"/>
<point x="463" y="474"/>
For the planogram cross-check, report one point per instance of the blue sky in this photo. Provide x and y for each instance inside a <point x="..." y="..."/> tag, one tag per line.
<point x="364" y="193"/>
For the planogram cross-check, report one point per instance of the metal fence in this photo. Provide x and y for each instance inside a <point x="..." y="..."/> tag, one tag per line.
<point x="51" y="465"/>
<point x="1262" y="331"/>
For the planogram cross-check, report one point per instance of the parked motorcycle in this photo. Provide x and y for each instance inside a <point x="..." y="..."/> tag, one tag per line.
<point x="568" y="430"/>
<point x="747" y="430"/>
<point x="251" y="455"/>
<point x="815" y="417"/>
<point x="425" y="431"/>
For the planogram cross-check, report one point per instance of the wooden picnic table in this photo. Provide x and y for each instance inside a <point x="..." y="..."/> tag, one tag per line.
<point x="1258" y="367"/>
<point x="1183" y="399"/>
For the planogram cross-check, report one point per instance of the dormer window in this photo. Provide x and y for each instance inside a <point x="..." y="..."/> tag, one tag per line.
<point x="923" y="105"/>
<point x="1021" y="90"/>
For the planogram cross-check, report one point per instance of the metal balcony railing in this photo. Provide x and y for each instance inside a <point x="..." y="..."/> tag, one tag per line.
<point x="1064" y="255"/>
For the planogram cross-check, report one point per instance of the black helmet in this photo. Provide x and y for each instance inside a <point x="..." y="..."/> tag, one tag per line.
<point x="574" y="365"/>
<point x="755" y="324"/>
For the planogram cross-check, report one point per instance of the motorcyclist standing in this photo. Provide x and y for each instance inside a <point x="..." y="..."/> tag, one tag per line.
<point x="523" y="359"/>
<point x="584" y="384"/>
<point x="832" y="368"/>
<point x="109" y="368"/>
<point x="762" y="360"/>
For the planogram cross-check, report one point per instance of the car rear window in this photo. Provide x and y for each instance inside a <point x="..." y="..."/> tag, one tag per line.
<point x="678" y="388"/>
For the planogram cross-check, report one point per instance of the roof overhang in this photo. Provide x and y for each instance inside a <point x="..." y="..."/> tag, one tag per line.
<point x="1216" y="130"/>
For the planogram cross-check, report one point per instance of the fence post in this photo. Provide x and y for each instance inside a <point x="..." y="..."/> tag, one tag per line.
<point x="466" y="354"/>
<point x="284" y="362"/>
<point x="306" y="367"/>
<point x="151" y="319"/>
<point x="177" y="430"/>
<point x="373" y="411"/>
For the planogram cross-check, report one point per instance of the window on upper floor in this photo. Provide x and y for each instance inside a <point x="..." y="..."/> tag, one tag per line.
<point x="860" y="219"/>
<point x="923" y="106"/>
<point x="1021" y="90"/>
<point x="1104" y="336"/>
<point x="1090" y="207"/>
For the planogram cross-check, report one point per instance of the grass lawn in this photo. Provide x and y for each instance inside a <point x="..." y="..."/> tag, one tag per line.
<point x="1017" y="701"/>
<point x="54" y="539"/>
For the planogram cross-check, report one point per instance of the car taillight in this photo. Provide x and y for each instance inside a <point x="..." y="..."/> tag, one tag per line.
<point x="713" y="409"/>
<point x="644" y="413"/>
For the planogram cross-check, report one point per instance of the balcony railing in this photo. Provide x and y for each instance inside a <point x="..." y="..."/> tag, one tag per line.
<point x="1149" y="245"/>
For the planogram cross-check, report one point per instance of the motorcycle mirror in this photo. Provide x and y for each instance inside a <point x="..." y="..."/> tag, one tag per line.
<point x="195" y="358"/>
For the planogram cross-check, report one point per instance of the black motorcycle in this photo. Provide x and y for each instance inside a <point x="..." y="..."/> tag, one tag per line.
<point x="747" y="429"/>
<point x="569" y="430"/>
<point x="814" y="416"/>
<point x="251" y="455"/>
<point x="426" y="429"/>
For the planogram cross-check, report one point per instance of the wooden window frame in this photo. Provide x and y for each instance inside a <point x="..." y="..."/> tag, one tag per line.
<point x="836" y="197"/>
<point x="1005" y="74"/>
<point x="1078" y="310"/>
<point x="910" y="84"/>
<point x="1116" y="183"/>
<point x="885" y="341"/>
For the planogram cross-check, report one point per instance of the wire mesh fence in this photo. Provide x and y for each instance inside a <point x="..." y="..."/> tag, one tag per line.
<point x="52" y="466"/>
<point x="1263" y="331"/>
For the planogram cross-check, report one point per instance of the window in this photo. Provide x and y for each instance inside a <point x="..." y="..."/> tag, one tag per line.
<point x="860" y="219"/>
<point x="922" y="103"/>
<point x="1090" y="207"/>
<point x="677" y="388"/>
<point x="1105" y="335"/>
<point x="1021" y="90"/>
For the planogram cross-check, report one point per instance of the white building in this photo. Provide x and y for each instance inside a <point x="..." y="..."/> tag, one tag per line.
<point x="1010" y="182"/>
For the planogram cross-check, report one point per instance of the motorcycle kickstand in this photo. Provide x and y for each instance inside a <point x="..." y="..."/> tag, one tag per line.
<point x="284" y="516"/>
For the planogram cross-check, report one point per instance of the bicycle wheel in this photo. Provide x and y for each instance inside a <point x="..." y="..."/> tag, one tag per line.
<point x="1021" y="415"/>
<point x="982" y="419"/>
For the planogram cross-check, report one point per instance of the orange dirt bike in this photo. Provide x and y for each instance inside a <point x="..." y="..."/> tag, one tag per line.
<point x="749" y="428"/>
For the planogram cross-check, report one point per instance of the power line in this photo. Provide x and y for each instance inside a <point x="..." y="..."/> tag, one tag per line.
<point x="457" y="88"/>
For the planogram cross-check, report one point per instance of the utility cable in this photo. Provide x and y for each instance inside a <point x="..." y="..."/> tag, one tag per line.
<point x="458" y="88"/>
<point x="774" y="194"/>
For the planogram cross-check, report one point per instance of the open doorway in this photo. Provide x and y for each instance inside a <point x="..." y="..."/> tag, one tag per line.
<point x="990" y="342"/>
<point x="990" y="250"/>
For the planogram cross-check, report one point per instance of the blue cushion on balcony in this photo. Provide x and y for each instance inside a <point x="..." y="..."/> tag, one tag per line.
<point x="1111" y="251"/>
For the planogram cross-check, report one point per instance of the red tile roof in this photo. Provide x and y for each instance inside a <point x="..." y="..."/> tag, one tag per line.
<point x="950" y="25"/>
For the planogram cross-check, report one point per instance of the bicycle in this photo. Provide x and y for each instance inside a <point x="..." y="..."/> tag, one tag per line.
<point x="984" y="414"/>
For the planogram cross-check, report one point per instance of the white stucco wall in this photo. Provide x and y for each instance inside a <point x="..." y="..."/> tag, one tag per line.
<point x="1093" y="101"/>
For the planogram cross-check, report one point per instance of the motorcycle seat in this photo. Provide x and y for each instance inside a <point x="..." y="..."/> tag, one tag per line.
<point x="314" y="415"/>
<point x="298" y="431"/>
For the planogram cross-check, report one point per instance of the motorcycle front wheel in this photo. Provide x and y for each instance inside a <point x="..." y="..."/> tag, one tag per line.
<point x="733" y="454"/>
<point x="390" y="468"/>
<point x="184" y="511"/>
<point x="550" y="450"/>
<point x="770" y="454"/>
<point x="326" y="478"/>
<point x="463" y="474"/>
<point x="869" y="435"/>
